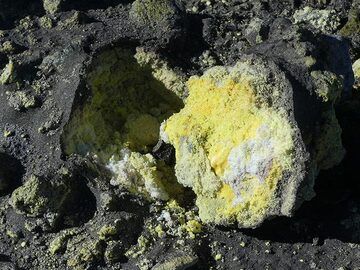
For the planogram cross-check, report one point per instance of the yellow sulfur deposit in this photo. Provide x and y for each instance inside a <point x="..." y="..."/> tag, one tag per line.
<point x="237" y="141"/>
<point x="132" y="92"/>
<point x="232" y="148"/>
<point x="143" y="174"/>
<point x="126" y="108"/>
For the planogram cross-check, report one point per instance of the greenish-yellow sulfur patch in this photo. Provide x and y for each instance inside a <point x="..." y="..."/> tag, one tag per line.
<point x="52" y="6"/>
<point x="126" y="109"/>
<point x="149" y="12"/>
<point x="28" y="198"/>
<point x="328" y="85"/>
<point x="131" y="94"/>
<point x="7" y="73"/>
<point x="143" y="174"/>
<point x="230" y="149"/>
<point x="352" y="26"/>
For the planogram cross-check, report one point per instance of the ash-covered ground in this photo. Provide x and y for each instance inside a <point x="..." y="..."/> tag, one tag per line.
<point x="60" y="61"/>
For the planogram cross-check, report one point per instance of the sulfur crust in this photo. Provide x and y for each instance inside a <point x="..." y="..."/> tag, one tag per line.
<point x="161" y="71"/>
<point x="143" y="174"/>
<point x="126" y="109"/>
<point x="223" y="116"/>
<point x="248" y="213"/>
<point x="132" y="93"/>
<point x="148" y="12"/>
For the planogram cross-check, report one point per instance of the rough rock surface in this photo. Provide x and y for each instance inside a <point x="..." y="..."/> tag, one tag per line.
<point x="85" y="182"/>
<point x="238" y="145"/>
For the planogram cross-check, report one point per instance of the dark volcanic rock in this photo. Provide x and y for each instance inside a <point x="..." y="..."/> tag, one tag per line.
<point x="15" y="10"/>
<point x="7" y="266"/>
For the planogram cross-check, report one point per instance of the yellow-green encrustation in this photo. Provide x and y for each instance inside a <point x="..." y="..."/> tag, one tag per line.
<point x="237" y="140"/>
<point x="132" y="93"/>
<point x="232" y="149"/>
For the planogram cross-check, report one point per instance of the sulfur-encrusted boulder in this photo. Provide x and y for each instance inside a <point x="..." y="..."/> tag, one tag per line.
<point x="240" y="148"/>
